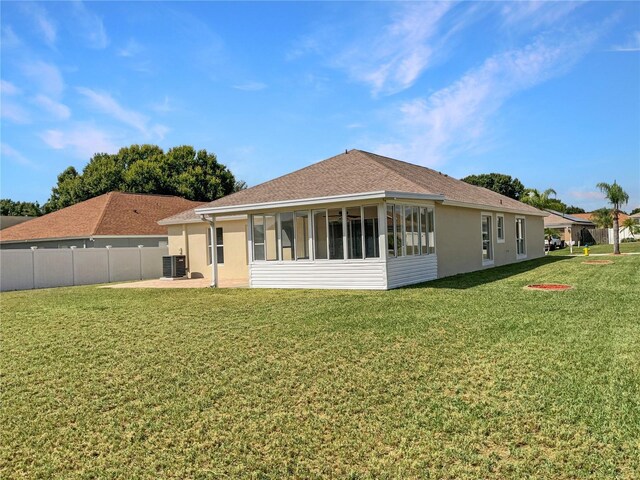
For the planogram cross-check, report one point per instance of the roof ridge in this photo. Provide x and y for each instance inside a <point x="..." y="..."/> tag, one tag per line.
<point x="372" y="156"/>
<point x="103" y="213"/>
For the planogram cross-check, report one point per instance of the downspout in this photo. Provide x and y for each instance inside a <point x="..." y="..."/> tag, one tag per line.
<point x="214" y="260"/>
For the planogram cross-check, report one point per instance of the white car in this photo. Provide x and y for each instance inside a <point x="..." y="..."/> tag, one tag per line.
<point x="553" y="242"/>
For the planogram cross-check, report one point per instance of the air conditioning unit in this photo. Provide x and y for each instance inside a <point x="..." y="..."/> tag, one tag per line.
<point x="174" y="266"/>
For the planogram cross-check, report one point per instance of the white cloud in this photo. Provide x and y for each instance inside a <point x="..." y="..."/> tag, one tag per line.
<point x="535" y="14"/>
<point x="90" y="26"/>
<point x="109" y="106"/>
<point x="9" y="38"/>
<point x="131" y="49"/>
<point x="586" y="195"/>
<point x="42" y="21"/>
<point x="632" y="45"/>
<point x="9" y="152"/>
<point x="8" y="88"/>
<point x="14" y="113"/>
<point x="454" y="119"/>
<point x="163" y="107"/>
<point x="46" y="75"/>
<point x="397" y="55"/>
<point x="83" y="140"/>
<point x="57" y="109"/>
<point x="250" y="86"/>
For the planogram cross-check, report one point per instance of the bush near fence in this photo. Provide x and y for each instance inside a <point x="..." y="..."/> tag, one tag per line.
<point x="44" y="268"/>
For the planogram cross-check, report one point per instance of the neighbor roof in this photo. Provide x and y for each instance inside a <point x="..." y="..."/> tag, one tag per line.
<point x="113" y="213"/>
<point x="587" y="216"/>
<point x="558" y="219"/>
<point x="358" y="172"/>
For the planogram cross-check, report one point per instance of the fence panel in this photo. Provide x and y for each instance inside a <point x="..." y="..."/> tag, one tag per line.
<point x="42" y="268"/>
<point x="90" y="266"/>
<point x="16" y="270"/>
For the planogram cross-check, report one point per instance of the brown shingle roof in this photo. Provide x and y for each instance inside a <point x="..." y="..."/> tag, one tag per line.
<point x="557" y="219"/>
<point x="113" y="213"/>
<point x="587" y="216"/>
<point x="357" y="172"/>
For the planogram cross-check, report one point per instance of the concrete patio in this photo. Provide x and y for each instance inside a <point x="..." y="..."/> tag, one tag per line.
<point x="176" y="283"/>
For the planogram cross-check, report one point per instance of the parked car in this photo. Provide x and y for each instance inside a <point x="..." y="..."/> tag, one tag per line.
<point x="551" y="242"/>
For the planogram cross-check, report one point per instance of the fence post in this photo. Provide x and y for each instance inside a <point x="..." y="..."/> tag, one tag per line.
<point x="33" y="266"/>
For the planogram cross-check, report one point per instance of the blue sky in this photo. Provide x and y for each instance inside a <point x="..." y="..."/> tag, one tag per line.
<point x="546" y="92"/>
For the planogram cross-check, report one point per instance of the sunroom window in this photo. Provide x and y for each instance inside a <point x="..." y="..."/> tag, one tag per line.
<point x="286" y="236"/>
<point x="336" y="246"/>
<point x="354" y="232"/>
<point x="302" y="235"/>
<point x="371" y="244"/>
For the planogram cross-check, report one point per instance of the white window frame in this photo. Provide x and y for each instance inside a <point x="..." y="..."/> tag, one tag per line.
<point x="491" y="261"/>
<point x="500" y="239"/>
<point x="520" y="256"/>
<point x="219" y="245"/>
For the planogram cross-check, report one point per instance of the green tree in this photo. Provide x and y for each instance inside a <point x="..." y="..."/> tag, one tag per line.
<point x="602" y="218"/>
<point x="180" y="171"/>
<point x="617" y="197"/>
<point x="498" y="182"/>
<point x="19" y="209"/>
<point x="631" y="225"/>
<point x="635" y="210"/>
<point x="571" y="209"/>
<point x="542" y="200"/>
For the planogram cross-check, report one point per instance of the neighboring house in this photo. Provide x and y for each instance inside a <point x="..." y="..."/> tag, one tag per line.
<point x="356" y="220"/>
<point x="572" y="227"/>
<point x="7" y="221"/>
<point x="116" y="219"/>
<point x="587" y="216"/>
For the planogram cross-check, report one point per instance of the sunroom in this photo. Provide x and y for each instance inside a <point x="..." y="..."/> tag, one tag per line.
<point x="358" y="245"/>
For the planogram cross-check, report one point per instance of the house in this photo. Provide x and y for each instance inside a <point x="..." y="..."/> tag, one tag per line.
<point x="357" y="220"/>
<point x="7" y="221"/>
<point x="116" y="219"/>
<point x="572" y="228"/>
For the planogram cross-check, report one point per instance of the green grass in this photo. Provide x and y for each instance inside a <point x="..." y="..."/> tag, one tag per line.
<point x="466" y="377"/>
<point x="626" y="247"/>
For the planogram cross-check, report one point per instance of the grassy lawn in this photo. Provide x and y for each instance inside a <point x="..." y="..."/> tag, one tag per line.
<point x="466" y="377"/>
<point x="631" y="247"/>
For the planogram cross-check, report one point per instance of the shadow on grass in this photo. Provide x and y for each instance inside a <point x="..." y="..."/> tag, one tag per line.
<point x="473" y="279"/>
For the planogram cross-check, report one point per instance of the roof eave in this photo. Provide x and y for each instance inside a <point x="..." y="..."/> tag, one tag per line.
<point x="317" y="201"/>
<point x="501" y="208"/>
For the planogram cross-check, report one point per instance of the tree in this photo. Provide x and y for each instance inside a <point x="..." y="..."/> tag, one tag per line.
<point x="180" y="171"/>
<point x="19" y="209"/>
<point x="617" y="197"/>
<point x="631" y="225"/>
<point x="635" y="210"/>
<point x="498" y="182"/>
<point x="602" y="218"/>
<point x="571" y="209"/>
<point x="542" y="200"/>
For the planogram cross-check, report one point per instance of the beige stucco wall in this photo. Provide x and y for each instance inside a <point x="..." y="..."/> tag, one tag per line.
<point x="459" y="239"/>
<point x="191" y="240"/>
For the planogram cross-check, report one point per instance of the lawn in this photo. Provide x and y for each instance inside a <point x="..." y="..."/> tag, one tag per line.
<point x="626" y="247"/>
<point x="466" y="377"/>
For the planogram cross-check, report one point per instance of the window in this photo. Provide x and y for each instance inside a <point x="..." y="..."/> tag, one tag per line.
<point x="286" y="236"/>
<point x="209" y="246"/>
<point x="521" y="247"/>
<point x="399" y="229"/>
<point x="487" y="247"/>
<point x="354" y="232"/>
<point x="302" y="236"/>
<point x="500" y="228"/>
<point x="409" y="229"/>
<point x="431" y="230"/>
<point x="391" y="232"/>
<point x="336" y="246"/>
<point x="320" y="234"/>
<point x="371" y="244"/>
<point x="271" y="237"/>
<point x="258" y="237"/>
<point x="219" y="245"/>
<point x="424" y="242"/>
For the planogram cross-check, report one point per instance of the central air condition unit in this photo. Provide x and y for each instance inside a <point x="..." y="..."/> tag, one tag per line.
<point x="174" y="266"/>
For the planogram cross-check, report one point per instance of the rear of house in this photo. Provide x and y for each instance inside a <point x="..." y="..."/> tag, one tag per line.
<point x="354" y="221"/>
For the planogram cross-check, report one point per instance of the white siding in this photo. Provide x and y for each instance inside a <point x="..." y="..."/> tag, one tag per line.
<point x="365" y="275"/>
<point x="411" y="269"/>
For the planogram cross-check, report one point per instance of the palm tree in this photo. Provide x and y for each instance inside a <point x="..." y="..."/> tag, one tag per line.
<point x="617" y="197"/>
<point x="542" y="200"/>
<point x="631" y="225"/>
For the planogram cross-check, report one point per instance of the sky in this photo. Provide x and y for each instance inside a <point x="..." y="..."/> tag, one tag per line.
<point x="542" y="91"/>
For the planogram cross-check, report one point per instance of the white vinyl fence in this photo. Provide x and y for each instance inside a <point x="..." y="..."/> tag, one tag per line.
<point x="44" y="268"/>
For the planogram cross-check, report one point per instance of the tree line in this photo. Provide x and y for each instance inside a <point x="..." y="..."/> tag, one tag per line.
<point x="182" y="171"/>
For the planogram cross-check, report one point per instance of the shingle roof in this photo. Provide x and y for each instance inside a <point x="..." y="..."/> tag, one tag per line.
<point x="355" y="172"/>
<point x="587" y="216"/>
<point x="113" y="213"/>
<point x="558" y="219"/>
